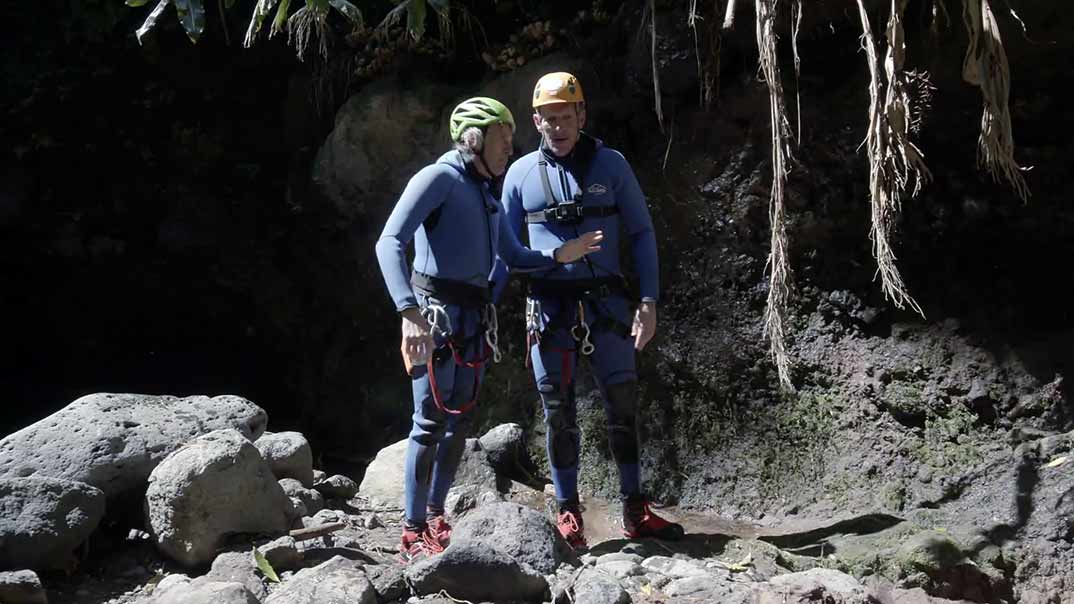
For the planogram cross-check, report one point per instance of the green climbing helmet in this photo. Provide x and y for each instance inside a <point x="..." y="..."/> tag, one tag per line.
<point x="479" y="112"/>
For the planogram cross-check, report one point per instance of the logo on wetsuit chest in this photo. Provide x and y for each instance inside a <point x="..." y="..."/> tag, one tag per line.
<point x="597" y="189"/>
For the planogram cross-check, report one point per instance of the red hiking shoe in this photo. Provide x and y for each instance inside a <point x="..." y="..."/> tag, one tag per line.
<point x="418" y="544"/>
<point x="571" y="526"/>
<point x="439" y="530"/>
<point x="639" y="521"/>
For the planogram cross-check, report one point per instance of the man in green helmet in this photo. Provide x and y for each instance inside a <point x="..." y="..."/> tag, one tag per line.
<point x="444" y="299"/>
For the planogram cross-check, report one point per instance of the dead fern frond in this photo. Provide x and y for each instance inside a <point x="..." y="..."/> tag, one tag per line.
<point x="986" y="67"/>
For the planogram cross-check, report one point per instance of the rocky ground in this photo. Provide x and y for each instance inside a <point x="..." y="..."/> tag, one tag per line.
<point x="1000" y="533"/>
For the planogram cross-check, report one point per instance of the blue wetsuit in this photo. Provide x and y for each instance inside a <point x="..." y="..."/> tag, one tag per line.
<point x="459" y="230"/>
<point x="588" y="291"/>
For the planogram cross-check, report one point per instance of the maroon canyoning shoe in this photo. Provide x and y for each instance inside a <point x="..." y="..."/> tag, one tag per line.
<point x="440" y="530"/>
<point x="571" y="526"/>
<point x="418" y="544"/>
<point x="639" y="521"/>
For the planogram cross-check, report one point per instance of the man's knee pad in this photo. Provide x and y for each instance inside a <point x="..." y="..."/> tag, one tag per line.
<point x="623" y="421"/>
<point x="563" y="435"/>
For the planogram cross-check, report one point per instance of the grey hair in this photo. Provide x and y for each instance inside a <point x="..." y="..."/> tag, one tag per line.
<point x="471" y="141"/>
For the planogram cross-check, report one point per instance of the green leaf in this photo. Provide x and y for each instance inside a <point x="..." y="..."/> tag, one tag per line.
<point x="261" y="12"/>
<point x="264" y="566"/>
<point x="192" y="16"/>
<point x="281" y="18"/>
<point x="415" y="23"/>
<point x="151" y="20"/>
<point x="440" y="5"/>
<point x="348" y="10"/>
<point x="137" y="2"/>
<point x="318" y="6"/>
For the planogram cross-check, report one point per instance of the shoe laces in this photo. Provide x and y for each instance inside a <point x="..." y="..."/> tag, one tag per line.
<point x="569" y="519"/>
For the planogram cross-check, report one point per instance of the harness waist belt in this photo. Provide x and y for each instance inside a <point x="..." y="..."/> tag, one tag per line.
<point x="450" y="291"/>
<point x="581" y="289"/>
<point x="570" y="212"/>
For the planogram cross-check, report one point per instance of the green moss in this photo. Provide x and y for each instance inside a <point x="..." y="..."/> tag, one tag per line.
<point x="948" y="440"/>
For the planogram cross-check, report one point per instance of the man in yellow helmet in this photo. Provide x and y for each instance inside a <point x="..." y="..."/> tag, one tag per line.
<point x="443" y="298"/>
<point x="573" y="183"/>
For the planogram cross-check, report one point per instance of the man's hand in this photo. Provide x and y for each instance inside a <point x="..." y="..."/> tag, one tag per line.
<point x="417" y="342"/>
<point x="644" y="327"/>
<point x="574" y="249"/>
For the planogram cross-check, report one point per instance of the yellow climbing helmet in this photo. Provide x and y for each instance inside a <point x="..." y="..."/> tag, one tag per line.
<point x="558" y="87"/>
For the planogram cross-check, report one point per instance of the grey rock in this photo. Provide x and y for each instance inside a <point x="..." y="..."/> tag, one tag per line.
<point x="312" y="501"/>
<point x="42" y="520"/>
<point x="338" y="580"/>
<point x="235" y="567"/>
<point x="621" y="569"/>
<point x="505" y="446"/>
<point x="288" y="454"/>
<point x="182" y="590"/>
<point x="298" y="510"/>
<point x="283" y="554"/>
<point x="520" y="532"/>
<point x="691" y="585"/>
<point x="618" y="557"/>
<point x="324" y="517"/>
<point x="818" y="584"/>
<point x="338" y="487"/>
<point x="389" y="581"/>
<point x="673" y="567"/>
<point x="21" y="587"/>
<point x="215" y="486"/>
<point x="382" y="485"/>
<point x="475" y="571"/>
<point x="113" y="441"/>
<point x="596" y="587"/>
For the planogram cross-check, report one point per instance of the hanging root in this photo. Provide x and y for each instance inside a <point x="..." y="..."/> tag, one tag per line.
<point x="986" y="67"/>
<point x="729" y="16"/>
<point x="941" y="20"/>
<point x="896" y="166"/>
<point x="308" y="23"/>
<point x="656" y="71"/>
<point x="777" y="313"/>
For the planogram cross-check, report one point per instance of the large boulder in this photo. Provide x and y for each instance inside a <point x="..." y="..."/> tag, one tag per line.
<point x="472" y="570"/>
<point x="42" y="520"/>
<point x="21" y="587"/>
<point x="382" y="485"/>
<point x="520" y="532"/>
<point x="505" y="446"/>
<point x="288" y="454"/>
<point x="815" y="585"/>
<point x="336" y="580"/>
<point x="236" y="567"/>
<point x="179" y="589"/>
<point x="393" y="129"/>
<point x="215" y="486"/>
<point x="113" y="441"/>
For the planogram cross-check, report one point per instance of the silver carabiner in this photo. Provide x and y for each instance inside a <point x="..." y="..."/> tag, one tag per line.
<point x="492" y="332"/>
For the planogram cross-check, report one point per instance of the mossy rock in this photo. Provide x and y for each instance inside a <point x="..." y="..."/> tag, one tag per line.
<point x="929" y="551"/>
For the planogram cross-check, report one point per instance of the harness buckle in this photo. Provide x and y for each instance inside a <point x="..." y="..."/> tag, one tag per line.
<point x="567" y="212"/>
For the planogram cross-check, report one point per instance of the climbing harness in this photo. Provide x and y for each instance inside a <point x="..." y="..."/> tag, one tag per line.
<point x="439" y="292"/>
<point x="585" y="346"/>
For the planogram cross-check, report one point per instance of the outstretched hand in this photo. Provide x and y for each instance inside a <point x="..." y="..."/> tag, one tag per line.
<point x="578" y="247"/>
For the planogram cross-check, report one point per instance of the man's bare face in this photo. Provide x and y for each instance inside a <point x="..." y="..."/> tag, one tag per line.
<point x="560" y="124"/>
<point x="498" y="148"/>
